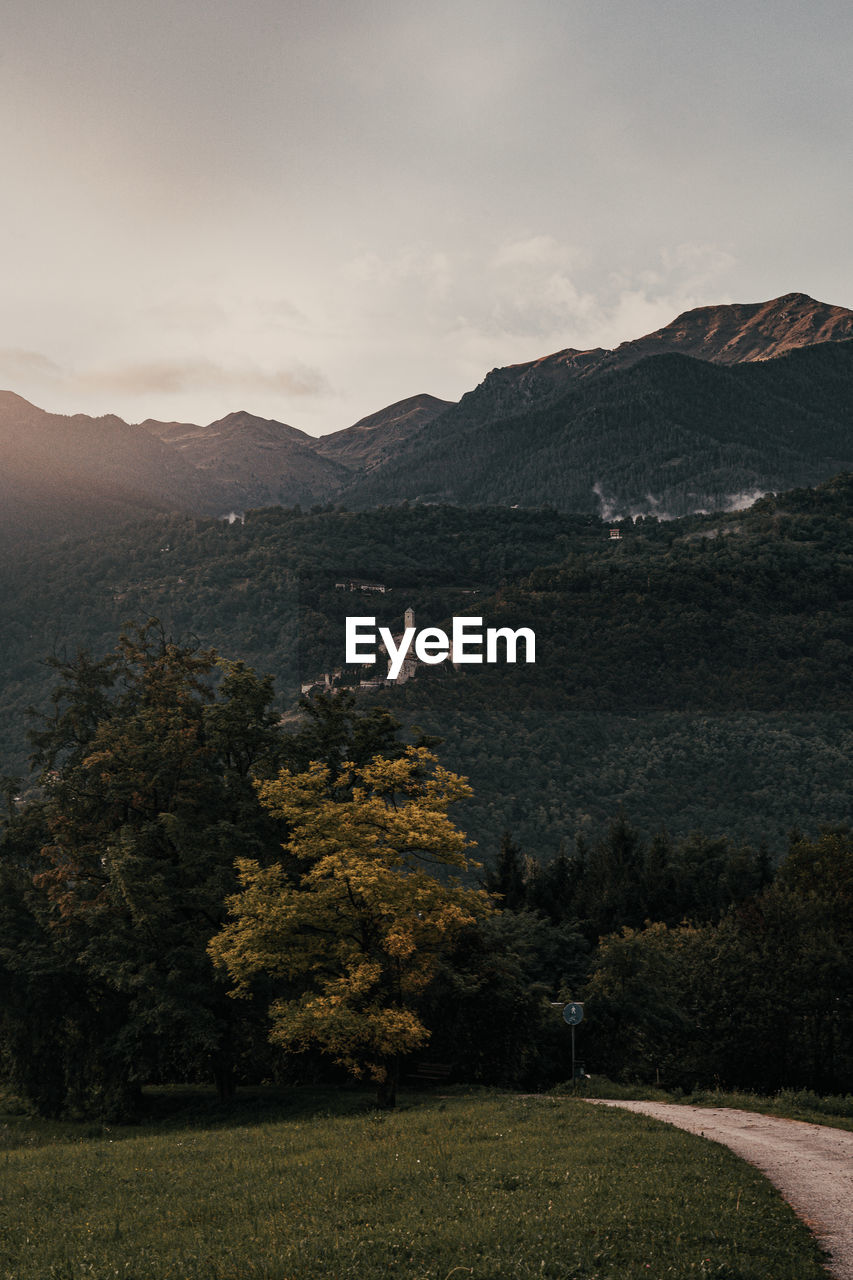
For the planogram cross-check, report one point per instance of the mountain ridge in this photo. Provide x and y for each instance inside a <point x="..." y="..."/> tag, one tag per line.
<point x="255" y="461"/>
<point x="367" y="442"/>
<point x="499" y="426"/>
<point x="726" y="333"/>
<point x="494" y="444"/>
<point x="64" y="472"/>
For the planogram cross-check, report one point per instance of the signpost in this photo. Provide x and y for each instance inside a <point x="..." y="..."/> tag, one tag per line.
<point x="573" y="1014"/>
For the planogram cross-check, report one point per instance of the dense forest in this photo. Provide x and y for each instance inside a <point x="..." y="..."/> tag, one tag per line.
<point x="197" y="892"/>
<point x="263" y="591"/>
<point x="696" y="672"/>
<point x="693" y="672"/>
<point x="202" y="878"/>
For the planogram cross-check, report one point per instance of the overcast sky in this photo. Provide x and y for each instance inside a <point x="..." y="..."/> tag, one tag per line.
<point x="311" y="210"/>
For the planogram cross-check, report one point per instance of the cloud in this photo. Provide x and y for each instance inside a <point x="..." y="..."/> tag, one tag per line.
<point x="161" y="376"/>
<point x="697" y="265"/>
<point x="174" y="376"/>
<point x="521" y="287"/>
<point x="16" y="363"/>
<point x="432" y="313"/>
<point x="616" y="509"/>
<point x="529" y="294"/>
<point x="438" y="313"/>
<point x="204" y="318"/>
<point x="434" y="274"/>
<point x="535" y="251"/>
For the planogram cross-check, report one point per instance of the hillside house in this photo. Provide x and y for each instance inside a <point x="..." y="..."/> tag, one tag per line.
<point x="360" y="584"/>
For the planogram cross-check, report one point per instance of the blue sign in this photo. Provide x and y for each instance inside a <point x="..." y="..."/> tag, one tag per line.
<point x="573" y="1013"/>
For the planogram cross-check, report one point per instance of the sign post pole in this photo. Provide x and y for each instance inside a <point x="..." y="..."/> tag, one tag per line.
<point x="573" y="1014"/>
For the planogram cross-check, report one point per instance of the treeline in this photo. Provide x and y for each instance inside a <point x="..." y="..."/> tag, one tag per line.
<point x="182" y="846"/>
<point x="760" y="1000"/>
<point x="704" y="964"/>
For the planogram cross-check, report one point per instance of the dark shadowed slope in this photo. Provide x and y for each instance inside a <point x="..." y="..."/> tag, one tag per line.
<point x="690" y="427"/>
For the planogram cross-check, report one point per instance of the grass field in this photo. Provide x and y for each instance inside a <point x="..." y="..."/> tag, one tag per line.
<point x="480" y="1186"/>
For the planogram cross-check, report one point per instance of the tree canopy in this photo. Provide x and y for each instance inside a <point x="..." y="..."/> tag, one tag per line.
<point x="145" y="802"/>
<point x="356" y="927"/>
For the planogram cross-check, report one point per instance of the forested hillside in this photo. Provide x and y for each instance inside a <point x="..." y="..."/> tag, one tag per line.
<point x="694" y="672"/>
<point x="669" y="435"/>
<point x="690" y="705"/>
<point x="263" y="591"/>
<point x="697" y="672"/>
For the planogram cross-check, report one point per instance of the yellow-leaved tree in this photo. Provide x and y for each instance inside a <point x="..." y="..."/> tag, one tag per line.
<point x="356" y="933"/>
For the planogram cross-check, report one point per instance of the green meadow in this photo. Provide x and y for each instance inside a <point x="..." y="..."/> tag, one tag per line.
<point x="322" y="1186"/>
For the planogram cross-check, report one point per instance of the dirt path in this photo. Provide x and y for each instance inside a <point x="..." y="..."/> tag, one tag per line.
<point x="811" y="1164"/>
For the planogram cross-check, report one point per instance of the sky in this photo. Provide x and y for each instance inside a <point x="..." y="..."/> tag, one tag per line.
<point x="312" y="210"/>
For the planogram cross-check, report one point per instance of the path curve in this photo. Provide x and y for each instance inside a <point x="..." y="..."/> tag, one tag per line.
<point x="811" y="1164"/>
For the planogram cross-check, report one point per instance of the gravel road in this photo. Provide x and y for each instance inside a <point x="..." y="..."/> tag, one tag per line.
<point x="811" y="1164"/>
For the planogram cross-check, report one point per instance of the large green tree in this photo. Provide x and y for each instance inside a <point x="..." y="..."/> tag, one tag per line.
<point x="147" y="764"/>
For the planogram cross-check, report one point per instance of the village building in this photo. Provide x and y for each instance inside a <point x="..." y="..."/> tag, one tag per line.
<point x="410" y="662"/>
<point x="360" y="584"/>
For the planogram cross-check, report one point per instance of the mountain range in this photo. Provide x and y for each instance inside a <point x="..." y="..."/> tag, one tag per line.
<point x="724" y="403"/>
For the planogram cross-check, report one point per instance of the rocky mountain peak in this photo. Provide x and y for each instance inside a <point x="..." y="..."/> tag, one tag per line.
<point x="733" y="333"/>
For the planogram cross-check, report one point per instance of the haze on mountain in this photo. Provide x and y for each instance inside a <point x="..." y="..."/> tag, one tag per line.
<point x="253" y="462"/>
<point x="63" y="474"/>
<point x="724" y="403"/>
